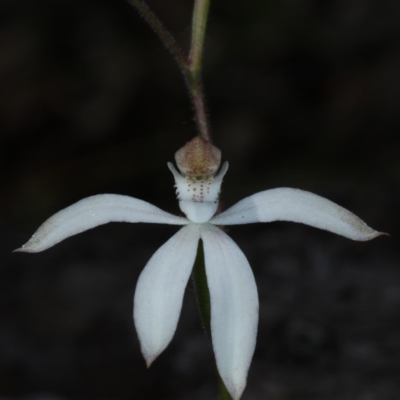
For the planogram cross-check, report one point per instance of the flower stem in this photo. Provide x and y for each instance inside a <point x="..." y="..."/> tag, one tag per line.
<point x="199" y="22"/>
<point x="163" y="33"/>
<point x="203" y="301"/>
<point x="202" y="292"/>
<point x="191" y="65"/>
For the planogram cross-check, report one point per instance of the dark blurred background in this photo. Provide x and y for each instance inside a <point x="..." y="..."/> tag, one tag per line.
<point x="301" y="93"/>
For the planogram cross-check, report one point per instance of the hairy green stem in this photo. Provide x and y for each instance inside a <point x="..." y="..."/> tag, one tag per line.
<point x="163" y="33"/>
<point x="199" y="23"/>
<point x="191" y="65"/>
<point x="201" y="288"/>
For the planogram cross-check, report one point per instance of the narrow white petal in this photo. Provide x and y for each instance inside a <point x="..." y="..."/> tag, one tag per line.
<point x="234" y="307"/>
<point x="286" y="204"/>
<point x="94" y="211"/>
<point x="160" y="289"/>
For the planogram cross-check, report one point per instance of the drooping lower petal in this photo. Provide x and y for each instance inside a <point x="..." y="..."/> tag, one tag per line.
<point x="94" y="211"/>
<point x="160" y="290"/>
<point x="234" y="307"/>
<point x="286" y="204"/>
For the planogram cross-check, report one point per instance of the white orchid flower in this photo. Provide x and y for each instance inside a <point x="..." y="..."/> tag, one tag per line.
<point x="233" y="292"/>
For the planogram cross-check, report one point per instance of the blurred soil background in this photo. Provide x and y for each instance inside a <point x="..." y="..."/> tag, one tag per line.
<point x="302" y="94"/>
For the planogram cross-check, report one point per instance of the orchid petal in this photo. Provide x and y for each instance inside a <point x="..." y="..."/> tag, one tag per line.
<point x="286" y="204"/>
<point x="160" y="289"/>
<point x="234" y="307"/>
<point x="94" y="211"/>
